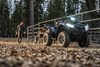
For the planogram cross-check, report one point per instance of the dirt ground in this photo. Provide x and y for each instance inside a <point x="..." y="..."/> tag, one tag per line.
<point x="27" y="54"/>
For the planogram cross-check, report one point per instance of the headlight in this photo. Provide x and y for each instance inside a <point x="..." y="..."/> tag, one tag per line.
<point x="87" y="27"/>
<point x="70" y="25"/>
<point x="72" y="18"/>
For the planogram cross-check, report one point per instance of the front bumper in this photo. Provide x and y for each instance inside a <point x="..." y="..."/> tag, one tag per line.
<point x="76" y="34"/>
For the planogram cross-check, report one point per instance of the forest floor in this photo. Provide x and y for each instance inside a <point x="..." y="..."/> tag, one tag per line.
<point x="26" y="54"/>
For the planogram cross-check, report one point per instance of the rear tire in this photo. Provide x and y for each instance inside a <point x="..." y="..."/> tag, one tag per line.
<point x="63" y="39"/>
<point x="84" y="42"/>
<point x="47" y="39"/>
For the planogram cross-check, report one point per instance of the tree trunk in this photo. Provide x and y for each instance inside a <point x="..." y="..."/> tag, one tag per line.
<point x="31" y="12"/>
<point x="91" y="6"/>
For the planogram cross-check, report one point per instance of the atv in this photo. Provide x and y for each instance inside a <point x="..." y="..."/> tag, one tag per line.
<point x="65" y="32"/>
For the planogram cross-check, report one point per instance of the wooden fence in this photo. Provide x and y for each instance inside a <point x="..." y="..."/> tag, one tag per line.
<point x="94" y="33"/>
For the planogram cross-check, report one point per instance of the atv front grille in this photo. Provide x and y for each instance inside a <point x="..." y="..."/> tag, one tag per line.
<point x="80" y="28"/>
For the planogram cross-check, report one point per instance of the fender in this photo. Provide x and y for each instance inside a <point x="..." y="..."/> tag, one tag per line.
<point x="62" y="27"/>
<point x="47" y="29"/>
<point x="51" y="30"/>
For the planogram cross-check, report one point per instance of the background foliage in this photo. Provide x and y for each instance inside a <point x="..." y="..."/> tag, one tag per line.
<point x="43" y="10"/>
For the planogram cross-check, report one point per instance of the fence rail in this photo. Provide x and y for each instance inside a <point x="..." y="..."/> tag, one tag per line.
<point x="95" y="36"/>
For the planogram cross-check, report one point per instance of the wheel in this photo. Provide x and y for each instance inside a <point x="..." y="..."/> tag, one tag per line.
<point x="47" y="39"/>
<point x="35" y="41"/>
<point x="19" y="40"/>
<point x="84" y="42"/>
<point x="63" y="39"/>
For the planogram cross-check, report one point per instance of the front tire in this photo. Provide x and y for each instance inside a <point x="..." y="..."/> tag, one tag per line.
<point x="63" y="39"/>
<point x="19" y="40"/>
<point x="84" y="42"/>
<point x="47" y="39"/>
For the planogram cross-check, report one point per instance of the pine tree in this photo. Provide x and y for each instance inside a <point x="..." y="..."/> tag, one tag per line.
<point x="16" y="17"/>
<point x="38" y="11"/>
<point x="4" y="14"/>
<point x="70" y="7"/>
<point x="56" y="9"/>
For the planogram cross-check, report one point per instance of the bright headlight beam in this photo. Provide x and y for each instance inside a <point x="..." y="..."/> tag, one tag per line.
<point x="87" y="27"/>
<point x="70" y="25"/>
<point x="72" y="18"/>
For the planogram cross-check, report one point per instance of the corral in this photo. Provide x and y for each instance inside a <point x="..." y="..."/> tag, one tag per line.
<point x="34" y="32"/>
